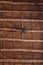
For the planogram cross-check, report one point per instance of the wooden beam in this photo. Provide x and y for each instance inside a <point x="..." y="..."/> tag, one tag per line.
<point x="22" y="20"/>
<point x="21" y="60"/>
<point x="9" y="29"/>
<point x="23" y="40"/>
<point x="22" y="50"/>
<point x="17" y="3"/>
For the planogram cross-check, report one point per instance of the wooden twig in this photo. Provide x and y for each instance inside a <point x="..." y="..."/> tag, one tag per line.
<point x="23" y="50"/>
<point x="17" y="3"/>
<point x="24" y="20"/>
<point x="20" y="30"/>
<point x="23" y="40"/>
<point x="23" y="61"/>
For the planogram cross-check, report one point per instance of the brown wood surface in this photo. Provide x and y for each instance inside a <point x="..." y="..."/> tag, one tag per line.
<point x="21" y="32"/>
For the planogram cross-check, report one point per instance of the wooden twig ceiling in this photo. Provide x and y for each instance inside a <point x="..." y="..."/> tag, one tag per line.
<point x="21" y="32"/>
